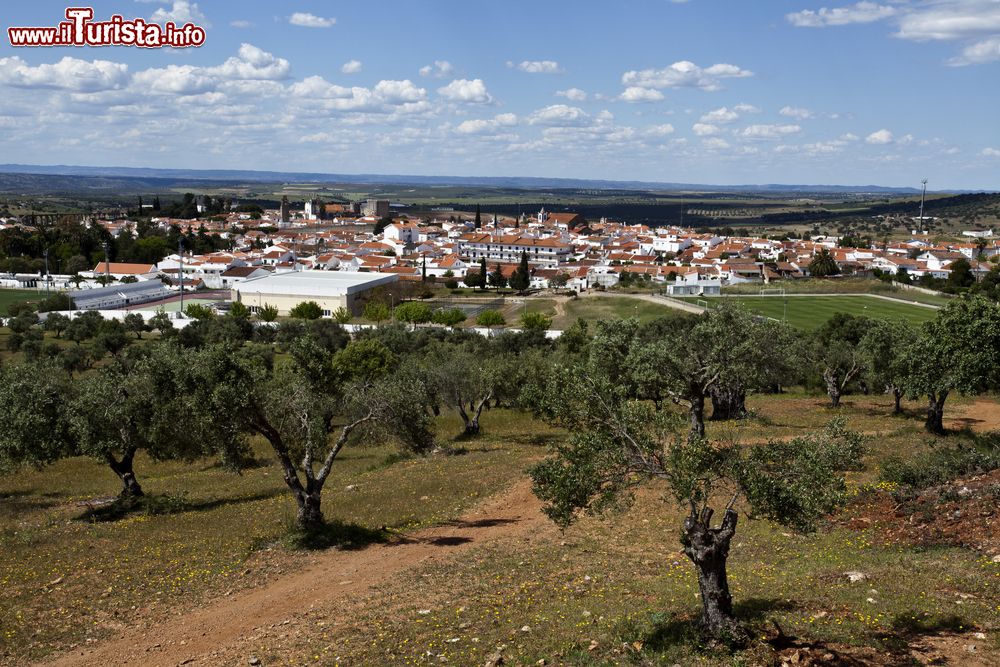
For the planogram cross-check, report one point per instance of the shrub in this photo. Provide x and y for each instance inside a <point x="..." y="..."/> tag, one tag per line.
<point x="307" y="310"/>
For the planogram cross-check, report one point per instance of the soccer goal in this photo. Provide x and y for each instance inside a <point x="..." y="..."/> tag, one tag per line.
<point x="774" y="291"/>
<point x="701" y="303"/>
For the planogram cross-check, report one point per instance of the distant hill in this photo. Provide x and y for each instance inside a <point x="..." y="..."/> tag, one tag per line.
<point x="152" y="177"/>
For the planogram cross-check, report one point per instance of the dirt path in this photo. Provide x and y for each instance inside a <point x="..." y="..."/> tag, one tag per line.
<point x="205" y="633"/>
<point x="982" y="415"/>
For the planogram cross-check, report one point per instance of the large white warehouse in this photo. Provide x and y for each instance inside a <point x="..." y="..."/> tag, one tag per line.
<point x="330" y="289"/>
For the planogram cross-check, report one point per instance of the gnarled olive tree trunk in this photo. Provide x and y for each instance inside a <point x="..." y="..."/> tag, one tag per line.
<point x="123" y="468"/>
<point x="729" y="403"/>
<point x="935" y="412"/>
<point x="471" y="421"/>
<point x="708" y="549"/>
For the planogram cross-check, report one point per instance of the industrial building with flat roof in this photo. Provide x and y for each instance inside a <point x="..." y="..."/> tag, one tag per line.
<point x="330" y="289"/>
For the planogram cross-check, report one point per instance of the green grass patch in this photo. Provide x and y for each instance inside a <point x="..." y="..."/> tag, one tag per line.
<point x="811" y="312"/>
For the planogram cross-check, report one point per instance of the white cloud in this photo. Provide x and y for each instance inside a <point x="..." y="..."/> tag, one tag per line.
<point x="180" y="13"/>
<point x="636" y="94"/>
<point x="879" y="137"/>
<point x="990" y="152"/>
<point x="684" y="74"/>
<point x="537" y="66"/>
<point x="487" y="126"/>
<point x="573" y="94"/>
<point x="849" y="137"/>
<point x="862" y="12"/>
<point x="951" y="20"/>
<point x="743" y="107"/>
<point x="660" y="130"/>
<point x="986" y="51"/>
<point x="720" y="115"/>
<point x="398" y="92"/>
<point x="471" y="91"/>
<point x="307" y="20"/>
<point x="559" y="115"/>
<point x="241" y="23"/>
<point x="705" y="129"/>
<point x="796" y="112"/>
<point x="715" y="143"/>
<point x="252" y="63"/>
<point x="439" y="70"/>
<point x="67" y="74"/>
<point x="768" y="131"/>
<point x="351" y="67"/>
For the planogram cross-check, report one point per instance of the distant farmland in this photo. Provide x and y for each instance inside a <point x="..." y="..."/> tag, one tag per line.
<point x="810" y="312"/>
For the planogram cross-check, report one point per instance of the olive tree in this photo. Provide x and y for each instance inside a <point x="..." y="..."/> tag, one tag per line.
<point x="836" y="353"/>
<point x="307" y="414"/>
<point x="959" y="350"/>
<point x="618" y="442"/>
<point x="34" y="431"/>
<point x="883" y="350"/>
<point x="464" y="377"/>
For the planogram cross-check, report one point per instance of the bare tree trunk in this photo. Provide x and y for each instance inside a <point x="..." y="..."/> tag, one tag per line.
<point x="832" y="387"/>
<point x="897" y="395"/>
<point x="728" y="403"/>
<point x="309" y="516"/>
<point x="708" y="549"/>
<point x="935" y="412"/>
<point x="696" y="413"/>
<point x="471" y="423"/>
<point x="123" y="468"/>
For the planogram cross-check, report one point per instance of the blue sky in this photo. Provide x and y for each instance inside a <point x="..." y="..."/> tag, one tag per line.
<point x="710" y="91"/>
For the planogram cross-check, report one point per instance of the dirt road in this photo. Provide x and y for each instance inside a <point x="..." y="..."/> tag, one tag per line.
<point x="205" y="634"/>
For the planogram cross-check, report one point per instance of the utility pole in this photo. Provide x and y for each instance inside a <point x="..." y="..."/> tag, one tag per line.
<point x="46" y="272"/>
<point x="107" y="266"/>
<point x="180" y="273"/>
<point x="923" y="193"/>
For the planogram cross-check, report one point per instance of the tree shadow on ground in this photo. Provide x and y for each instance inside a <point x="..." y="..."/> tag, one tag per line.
<point x="338" y="535"/>
<point x="155" y="505"/>
<point x="911" y="625"/>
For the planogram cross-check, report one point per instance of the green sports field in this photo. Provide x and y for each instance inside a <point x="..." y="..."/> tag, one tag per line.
<point x="10" y="296"/>
<point x="810" y="312"/>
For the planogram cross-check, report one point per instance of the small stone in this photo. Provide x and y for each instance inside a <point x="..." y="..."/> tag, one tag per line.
<point x="979" y="635"/>
<point x="965" y="491"/>
<point x="855" y="577"/>
<point x="350" y="487"/>
<point x="254" y="660"/>
<point x="593" y="645"/>
<point x="996" y="559"/>
<point x="525" y="628"/>
<point x="423" y="612"/>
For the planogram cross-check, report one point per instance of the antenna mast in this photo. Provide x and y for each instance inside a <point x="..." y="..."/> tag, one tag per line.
<point x="923" y="193"/>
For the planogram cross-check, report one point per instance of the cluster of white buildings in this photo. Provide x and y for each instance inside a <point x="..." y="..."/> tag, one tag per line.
<point x="562" y="249"/>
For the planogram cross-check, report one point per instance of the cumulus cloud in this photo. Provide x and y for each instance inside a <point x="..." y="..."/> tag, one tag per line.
<point x="471" y="91"/>
<point x="351" y="67"/>
<point x="307" y="20"/>
<point x="768" y="131"/>
<point x="684" y="74"/>
<point x="796" y="112"/>
<point x="986" y="51"/>
<point x="386" y="96"/>
<point x="990" y="152"/>
<point x="720" y="115"/>
<point x="705" y="129"/>
<point x="974" y="22"/>
<point x="879" y="137"/>
<point x="637" y="94"/>
<point x="67" y="74"/>
<point x="439" y="70"/>
<point x="537" y="66"/>
<point x="487" y="126"/>
<point x="241" y="23"/>
<point x="559" y="115"/>
<point x="573" y="94"/>
<point x="252" y="63"/>
<point x="182" y="11"/>
<point x="715" y="143"/>
<point x="862" y="12"/>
